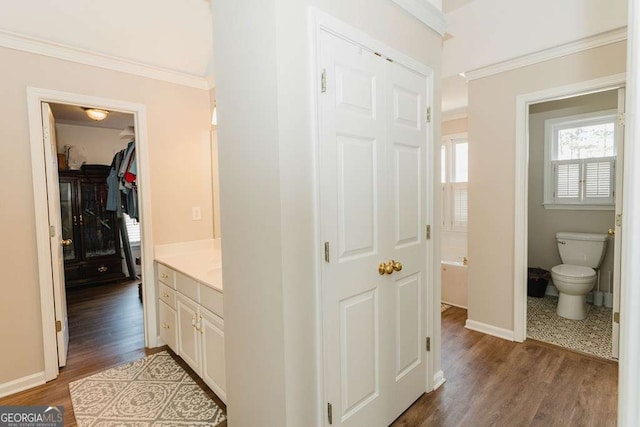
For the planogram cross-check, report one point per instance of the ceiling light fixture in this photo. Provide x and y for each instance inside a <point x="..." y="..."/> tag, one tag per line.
<point x="96" y="114"/>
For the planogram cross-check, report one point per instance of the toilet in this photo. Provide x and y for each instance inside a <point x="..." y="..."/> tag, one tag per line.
<point x="580" y="253"/>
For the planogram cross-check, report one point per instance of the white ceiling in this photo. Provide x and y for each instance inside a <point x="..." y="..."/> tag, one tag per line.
<point x="486" y="32"/>
<point x="171" y="34"/>
<point x="177" y="34"/>
<point x="449" y="5"/>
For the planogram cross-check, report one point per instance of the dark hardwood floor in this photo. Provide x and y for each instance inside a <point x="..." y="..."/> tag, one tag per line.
<point x="106" y="330"/>
<point x="493" y="382"/>
<point x="490" y="382"/>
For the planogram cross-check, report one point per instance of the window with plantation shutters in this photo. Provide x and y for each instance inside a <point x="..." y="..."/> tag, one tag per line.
<point x="454" y="177"/>
<point x="133" y="229"/>
<point x="580" y="161"/>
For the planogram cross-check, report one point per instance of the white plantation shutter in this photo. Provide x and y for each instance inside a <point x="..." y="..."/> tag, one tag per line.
<point x="460" y="206"/>
<point x="584" y="181"/>
<point x="454" y="206"/>
<point x="567" y="180"/>
<point x="599" y="179"/>
<point x="133" y="229"/>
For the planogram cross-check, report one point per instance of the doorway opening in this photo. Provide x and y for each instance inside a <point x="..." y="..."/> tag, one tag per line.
<point x="569" y="157"/>
<point x="100" y="230"/>
<point x="90" y="189"/>
<point x="572" y="195"/>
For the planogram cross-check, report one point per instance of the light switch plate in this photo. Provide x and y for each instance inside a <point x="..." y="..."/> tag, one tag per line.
<point x="196" y="214"/>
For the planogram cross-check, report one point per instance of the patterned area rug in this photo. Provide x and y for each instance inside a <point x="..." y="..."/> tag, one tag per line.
<point x="444" y="307"/>
<point x="592" y="335"/>
<point x="153" y="391"/>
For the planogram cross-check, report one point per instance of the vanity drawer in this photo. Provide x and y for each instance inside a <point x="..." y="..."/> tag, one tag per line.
<point x="211" y="300"/>
<point x="167" y="295"/>
<point x="187" y="286"/>
<point x="166" y="275"/>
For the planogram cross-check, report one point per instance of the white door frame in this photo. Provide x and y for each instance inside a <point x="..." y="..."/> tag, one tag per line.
<point x="35" y="97"/>
<point x="629" y="369"/>
<point x="321" y="21"/>
<point x="520" y="250"/>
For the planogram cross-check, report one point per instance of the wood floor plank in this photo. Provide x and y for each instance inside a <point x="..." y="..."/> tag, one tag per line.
<point x="490" y="381"/>
<point x="493" y="382"/>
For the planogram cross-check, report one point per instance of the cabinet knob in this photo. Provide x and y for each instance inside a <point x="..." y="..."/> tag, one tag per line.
<point x="164" y="276"/>
<point x="66" y="242"/>
<point x="165" y="295"/>
<point x="102" y="268"/>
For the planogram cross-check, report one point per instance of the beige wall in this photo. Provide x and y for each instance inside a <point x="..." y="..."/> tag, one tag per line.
<point x="97" y="145"/>
<point x="492" y="120"/>
<point x="455" y="126"/>
<point x="267" y="208"/>
<point x="180" y="166"/>
<point x="544" y="223"/>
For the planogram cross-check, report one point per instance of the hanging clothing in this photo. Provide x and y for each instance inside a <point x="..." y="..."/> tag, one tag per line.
<point x="121" y="182"/>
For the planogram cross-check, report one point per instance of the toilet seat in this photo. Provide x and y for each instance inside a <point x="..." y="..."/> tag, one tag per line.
<point x="573" y="273"/>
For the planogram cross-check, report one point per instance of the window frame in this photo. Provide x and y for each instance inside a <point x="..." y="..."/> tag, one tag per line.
<point x="448" y="187"/>
<point x="552" y="126"/>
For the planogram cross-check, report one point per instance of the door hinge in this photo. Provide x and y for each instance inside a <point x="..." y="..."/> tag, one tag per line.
<point x="622" y="118"/>
<point x="428" y="114"/>
<point x="330" y="413"/>
<point x="428" y="344"/>
<point x="326" y="251"/>
<point x="428" y="232"/>
<point x="619" y="220"/>
<point x="52" y="231"/>
<point x="58" y="326"/>
<point x="323" y="81"/>
<point x="616" y="317"/>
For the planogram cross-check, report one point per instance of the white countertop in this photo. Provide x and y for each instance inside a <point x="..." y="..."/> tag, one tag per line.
<point x="200" y="260"/>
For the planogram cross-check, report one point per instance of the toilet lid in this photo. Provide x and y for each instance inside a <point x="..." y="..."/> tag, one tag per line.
<point x="573" y="270"/>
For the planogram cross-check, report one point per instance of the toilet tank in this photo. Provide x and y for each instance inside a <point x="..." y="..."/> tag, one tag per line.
<point x="586" y="249"/>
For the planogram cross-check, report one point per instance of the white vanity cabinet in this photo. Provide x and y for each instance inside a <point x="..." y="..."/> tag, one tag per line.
<point x="197" y="332"/>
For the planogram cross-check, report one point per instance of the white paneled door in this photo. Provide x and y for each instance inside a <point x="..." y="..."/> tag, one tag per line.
<point x="57" y="240"/>
<point x="373" y="148"/>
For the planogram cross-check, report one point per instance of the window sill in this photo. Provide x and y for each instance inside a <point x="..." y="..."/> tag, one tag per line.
<point x="578" y="207"/>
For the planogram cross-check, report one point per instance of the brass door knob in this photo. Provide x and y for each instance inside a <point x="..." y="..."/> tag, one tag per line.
<point x="389" y="267"/>
<point x="611" y="232"/>
<point x="382" y="268"/>
<point x="66" y="242"/>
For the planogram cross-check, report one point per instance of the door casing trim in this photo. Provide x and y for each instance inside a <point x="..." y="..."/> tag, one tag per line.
<point x="520" y="250"/>
<point x="35" y="96"/>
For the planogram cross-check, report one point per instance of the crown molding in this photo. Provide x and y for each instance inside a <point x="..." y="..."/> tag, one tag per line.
<point x="87" y="57"/>
<point x="602" y="39"/>
<point x="426" y="13"/>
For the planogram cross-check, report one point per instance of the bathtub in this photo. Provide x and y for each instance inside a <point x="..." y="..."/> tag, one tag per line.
<point x="454" y="283"/>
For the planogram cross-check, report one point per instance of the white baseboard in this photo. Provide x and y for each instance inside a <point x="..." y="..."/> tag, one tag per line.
<point x="489" y="330"/>
<point x="21" y="384"/>
<point x="438" y="379"/>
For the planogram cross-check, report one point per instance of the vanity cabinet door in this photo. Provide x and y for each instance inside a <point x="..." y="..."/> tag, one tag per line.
<point x="168" y="333"/>
<point x="188" y="332"/>
<point x="213" y="363"/>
